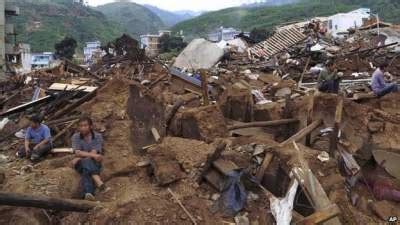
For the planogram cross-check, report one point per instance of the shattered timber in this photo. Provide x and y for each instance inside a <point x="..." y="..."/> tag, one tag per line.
<point x="244" y="138"/>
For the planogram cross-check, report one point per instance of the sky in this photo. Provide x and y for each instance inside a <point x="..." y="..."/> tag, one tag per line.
<point x="174" y="5"/>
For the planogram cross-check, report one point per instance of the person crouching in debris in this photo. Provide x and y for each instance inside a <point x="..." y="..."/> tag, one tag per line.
<point x="87" y="146"/>
<point x="379" y="85"/>
<point x="37" y="140"/>
<point x="329" y="79"/>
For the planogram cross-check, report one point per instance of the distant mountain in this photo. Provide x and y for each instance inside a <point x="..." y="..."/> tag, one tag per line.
<point x="134" y="18"/>
<point x="265" y="16"/>
<point x="264" y="3"/>
<point x="189" y="13"/>
<point x="42" y="23"/>
<point x="169" y="18"/>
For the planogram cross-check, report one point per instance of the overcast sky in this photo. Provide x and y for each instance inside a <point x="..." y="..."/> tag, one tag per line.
<point x="173" y="5"/>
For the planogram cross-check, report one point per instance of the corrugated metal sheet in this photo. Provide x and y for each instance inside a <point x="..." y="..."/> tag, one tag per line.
<point x="280" y="41"/>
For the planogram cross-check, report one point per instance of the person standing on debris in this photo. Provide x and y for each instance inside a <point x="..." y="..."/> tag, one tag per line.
<point x="329" y="79"/>
<point x="87" y="146"/>
<point x="37" y="140"/>
<point x="379" y="85"/>
<point x="309" y="43"/>
<point x="227" y="53"/>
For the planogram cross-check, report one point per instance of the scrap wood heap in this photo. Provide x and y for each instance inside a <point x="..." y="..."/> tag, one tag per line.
<point x="255" y="143"/>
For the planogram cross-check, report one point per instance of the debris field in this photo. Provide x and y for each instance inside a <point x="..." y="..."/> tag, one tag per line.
<point x="244" y="139"/>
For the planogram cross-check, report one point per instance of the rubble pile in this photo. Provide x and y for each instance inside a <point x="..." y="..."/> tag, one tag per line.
<point x="244" y="138"/>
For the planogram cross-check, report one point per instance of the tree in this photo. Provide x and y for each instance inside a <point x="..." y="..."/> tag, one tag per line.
<point x="259" y="34"/>
<point x="66" y="48"/>
<point x="170" y="43"/>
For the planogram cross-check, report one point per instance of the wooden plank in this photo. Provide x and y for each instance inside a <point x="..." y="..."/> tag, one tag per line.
<point x="302" y="133"/>
<point x="71" y="87"/>
<point x="219" y="148"/>
<point x="224" y="166"/>
<point x="155" y="134"/>
<point x="263" y="124"/>
<point x="25" y="106"/>
<point x="215" y="179"/>
<point x="311" y="186"/>
<point x="267" y="160"/>
<point x="320" y="216"/>
<point x="59" y="204"/>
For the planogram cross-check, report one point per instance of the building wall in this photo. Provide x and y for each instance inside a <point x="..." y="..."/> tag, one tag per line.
<point x="2" y="39"/>
<point x="342" y="22"/>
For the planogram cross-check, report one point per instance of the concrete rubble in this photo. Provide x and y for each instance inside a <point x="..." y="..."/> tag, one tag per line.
<point x="177" y="145"/>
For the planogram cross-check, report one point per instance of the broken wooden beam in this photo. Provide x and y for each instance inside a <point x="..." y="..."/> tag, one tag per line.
<point x="313" y="189"/>
<point x="155" y="134"/>
<point x="320" y="216"/>
<point x="63" y="131"/>
<point x="263" y="124"/>
<point x="302" y="133"/>
<point x="26" y="200"/>
<point x="264" y="166"/>
<point x="73" y="106"/>
<point x="182" y="206"/>
<point x="219" y="148"/>
<point x="26" y="106"/>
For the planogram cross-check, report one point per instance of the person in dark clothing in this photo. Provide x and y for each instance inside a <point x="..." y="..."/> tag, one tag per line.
<point x="37" y="140"/>
<point x="329" y="79"/>
<point x="87" y="146"/>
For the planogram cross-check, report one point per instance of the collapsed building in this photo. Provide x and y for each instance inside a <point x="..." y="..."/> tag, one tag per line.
<point x="244" y="139"/>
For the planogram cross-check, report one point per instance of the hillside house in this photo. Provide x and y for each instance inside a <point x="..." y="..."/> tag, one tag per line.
<point x="42" y="60"/>
<point x="91" y="51"/>
<point x="340" y="23"/>
<point x="151" y="42"/>
<point x="225" y="34"/>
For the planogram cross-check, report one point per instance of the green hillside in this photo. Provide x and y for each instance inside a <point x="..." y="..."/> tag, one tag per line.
<point x="268" y="17"/>
<point x="136" y="19"/>
<point x="42" y="23"/>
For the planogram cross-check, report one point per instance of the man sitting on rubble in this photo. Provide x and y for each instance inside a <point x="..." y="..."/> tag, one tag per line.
<point x="87" y="146"/>
<point x="329" y="79"/>
<point x="37" y="140"/>
<point x="379" y="85"/>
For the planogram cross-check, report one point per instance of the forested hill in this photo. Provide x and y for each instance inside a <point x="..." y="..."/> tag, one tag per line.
<point x="42" y="23"/>
<point x="135" y="18"/>
<point x="269" y="16"/>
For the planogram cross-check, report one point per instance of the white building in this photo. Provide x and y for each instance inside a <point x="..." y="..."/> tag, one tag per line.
<point x="42" y="60"/>
<point x="91" y="50"/>
<point x="224" y="34"/>
<point x="342" y="22"/>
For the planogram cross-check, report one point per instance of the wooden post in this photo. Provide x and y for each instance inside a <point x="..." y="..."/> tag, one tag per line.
<point x="304" y="71"/>
<point x="25" y="200"/>
<point x="204" y="86"/>
<point x="338" y="119"/>
<point x="310" y="112"/>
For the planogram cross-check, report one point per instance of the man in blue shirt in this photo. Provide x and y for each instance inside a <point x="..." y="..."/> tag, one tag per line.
<point x="87" y="146"/>
<point x="379" y="85"/>
<point x="37" y="140"/>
